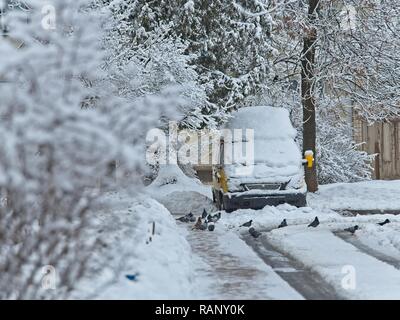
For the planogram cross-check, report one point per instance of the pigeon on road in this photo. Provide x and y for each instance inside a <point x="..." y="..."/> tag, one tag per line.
<point x="384" y="222"/>
<point x="283" y="224"/>
<point x="204" y="225"/>
<point x="254" y="232"/>
<point x="183" y="219"/>
<point x="215" y="217"/>
<point x="315" y="223"/>
<point x="191" y="217"/>
<point x="247" y="224"/>
<point x="198" y="224"/>
<point x="352" y="230"/>
<point x="204" y="214"/>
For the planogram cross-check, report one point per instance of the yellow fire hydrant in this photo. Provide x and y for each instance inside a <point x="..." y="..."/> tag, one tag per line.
<point x="309" y="155"/>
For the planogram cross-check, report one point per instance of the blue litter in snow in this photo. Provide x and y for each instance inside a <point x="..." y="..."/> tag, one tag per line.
<point x="132" y="277"/>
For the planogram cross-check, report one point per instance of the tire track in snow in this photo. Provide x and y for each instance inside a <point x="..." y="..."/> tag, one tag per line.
<point x="368" y="250"/>
<point x="233" y="270"/>
<point x="309" y="284"/>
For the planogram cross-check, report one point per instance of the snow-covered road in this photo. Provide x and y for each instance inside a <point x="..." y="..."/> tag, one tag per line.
<point x="227" y="268"/>
<point x="294" y="262"/>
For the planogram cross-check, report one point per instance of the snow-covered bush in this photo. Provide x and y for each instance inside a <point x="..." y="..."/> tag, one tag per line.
<point x="339" y="157"/>
<point x="61" y="136"/>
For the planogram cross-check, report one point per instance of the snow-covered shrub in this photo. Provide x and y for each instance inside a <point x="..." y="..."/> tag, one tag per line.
<point x="339" y="157"/>
<point x="56" y="146"/>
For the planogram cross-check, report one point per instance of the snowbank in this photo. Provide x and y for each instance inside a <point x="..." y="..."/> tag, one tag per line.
<point x="366" y="195"/>
<point x="161" y="267"/>
<point x="179" y="193"/>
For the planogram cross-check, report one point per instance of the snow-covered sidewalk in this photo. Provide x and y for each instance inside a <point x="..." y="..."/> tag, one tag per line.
<point x="366" y="195"/>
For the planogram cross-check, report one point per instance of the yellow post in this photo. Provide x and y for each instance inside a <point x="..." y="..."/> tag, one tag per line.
<point x="309" y="155"/>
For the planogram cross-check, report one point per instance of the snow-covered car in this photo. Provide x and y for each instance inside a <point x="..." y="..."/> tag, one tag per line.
<point x="274" y="175"/>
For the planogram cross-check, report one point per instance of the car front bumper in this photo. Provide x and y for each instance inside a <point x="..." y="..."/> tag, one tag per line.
<point x="258" y="201"/>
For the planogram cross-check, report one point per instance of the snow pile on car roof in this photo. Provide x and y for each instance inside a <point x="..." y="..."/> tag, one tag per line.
<point x="267" y="122"/>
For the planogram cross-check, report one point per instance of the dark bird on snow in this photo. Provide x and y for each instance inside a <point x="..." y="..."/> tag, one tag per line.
<point x="283" y="224"/>
<point x="217" y="216"/>
<point x="192" y="219"/>
<point x="247" y="224"/>
<point x="315" y="223"/>
<point x="352" y="230"/>
<point x="209" y="217"/>
<point x="211" y="227"/>
<point x="384" y="222"/>
<point x="204" y="225"/>
<point x="132" y="277"/>
<point x="198" y="224"/>
<point x="183" y="219"/>
<point x="254" y="232"/>
<point x="204" y="214"/>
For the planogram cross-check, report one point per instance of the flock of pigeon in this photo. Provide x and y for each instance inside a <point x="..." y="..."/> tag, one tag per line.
<point x="205" y="222"/>
<point x="315" y="223"/>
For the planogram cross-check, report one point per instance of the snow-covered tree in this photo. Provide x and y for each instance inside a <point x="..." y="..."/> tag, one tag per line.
<point x="341" y="57"/>
<point x="55" y="148"/>
<point x="158" y="64"/>
<point x="227" y="42"/>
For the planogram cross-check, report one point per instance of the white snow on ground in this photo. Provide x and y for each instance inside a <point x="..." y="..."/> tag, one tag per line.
<point x="366" y="195"/>
<point x="163" y="266"/>
<point x="228" y="269"/>
<point x="323" y="252"/>
<point x="328" y="255"/>
<point x="224" y="266"/>
<point x="170" y="178"/>
<point x="270" y="217"/>
<point x="384" y="239"/>
<point x="179" y="193"/>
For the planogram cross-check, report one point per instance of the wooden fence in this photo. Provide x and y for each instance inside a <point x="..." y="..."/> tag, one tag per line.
<point x="383" y="139"/>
